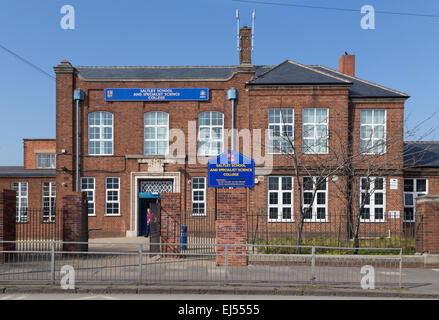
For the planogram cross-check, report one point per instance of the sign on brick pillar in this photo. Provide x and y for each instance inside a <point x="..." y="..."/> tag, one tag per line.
<point x="75" y="221"/>
<point x="427" y="224"/>
<point x="231" y="226"/>
<point x="170" y="222"/>
<point x="7" y="223"/>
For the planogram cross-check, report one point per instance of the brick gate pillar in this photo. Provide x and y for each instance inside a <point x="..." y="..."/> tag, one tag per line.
<point x="427" y="224"/>
<point x="7" y="222"/>
<point x="75" y="221"/>
<point x="231" y="226"/>
<point x="170" y="221"/>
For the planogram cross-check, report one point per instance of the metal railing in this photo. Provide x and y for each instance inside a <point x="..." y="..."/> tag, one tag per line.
<point x="257" y="265"/>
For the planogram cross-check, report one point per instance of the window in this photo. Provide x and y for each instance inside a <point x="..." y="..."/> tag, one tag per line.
<point x="373" y="131"/>
<point x="210" y="133"/>
<point x="100" y="133"/>
<point x="156" y="133"/>
<point x="413" y="188"/>
<point x="112" y="196"/>
<point x="280" y="199"/>
<point x="88" y="186"/>
<point x="315" y="209"/>
<point x="49" y="197"/>
<point x="373" y="198"/>
<point x="280" y="124"/>
<point x="21" y="200"/>
<point x="46" y="160"/>
<point x="199" y="196"/>
<point x="315" y="130"/>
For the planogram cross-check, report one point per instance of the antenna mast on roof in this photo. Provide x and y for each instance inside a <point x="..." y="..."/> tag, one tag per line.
<point x="253" y="27"/>
<point x="237" y="29"/>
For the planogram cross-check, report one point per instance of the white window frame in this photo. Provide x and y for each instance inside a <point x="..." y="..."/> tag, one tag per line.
<point x="373" y="125"/>
<point x="48" y="207"/>
<point x="156" y="128"/>
<point x="280" y="195"/>
<point x="284" y="138"/>
<point x="372" y="205"/>
<point x="21" y="211"/>
<point x="414" y="194"/>
<point x="315" y="136"/>
<point x="315" y="205"/>
<point x="208" y="139"/>
<point x="90" y="193"/>
<point x="101" y="126"/>
<point x="107" y="201"/>
<point x="46" y="158"/>
<point x="197" y="201"/>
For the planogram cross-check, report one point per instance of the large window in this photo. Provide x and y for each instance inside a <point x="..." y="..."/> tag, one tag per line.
<point x="315" y="199"/>
<point x="100" y="133"/>
<point x="280" y="124"/>
<point x="280" y="199"/>
<point x="373" y="199"/>
<point x="46" y="160"/>
<point x="112" y="196"/>
<point x="315" y="130"/>
<point x="21" y="200"/>
<point x="199" y="196"/>
<point x="373" y="131"/>
<point x="413" y="188"/>
<point x="210" y="133"/>
<point x="156" y="133"/>
<point x="88" y="186"/>
<point x="49" y="198"/>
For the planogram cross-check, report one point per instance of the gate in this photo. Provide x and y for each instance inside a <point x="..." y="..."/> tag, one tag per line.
<point x="34" y="227"/>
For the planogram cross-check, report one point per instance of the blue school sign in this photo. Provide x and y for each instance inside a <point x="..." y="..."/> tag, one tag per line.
<point x="156" y="94"/>
<point x="231" y="169"/>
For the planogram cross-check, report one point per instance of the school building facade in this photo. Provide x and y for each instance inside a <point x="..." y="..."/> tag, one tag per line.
<point x="127" y="154"/>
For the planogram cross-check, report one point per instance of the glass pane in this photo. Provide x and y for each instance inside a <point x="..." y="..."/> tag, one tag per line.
<point x="162" y="118"/>
<point x="149" y="133"/>
<point x="408" y="199"/>
<point x="286" y="213"/>
<point x="379" y="184"/>
<point x="365" y="214"/>
<point x="379" y="198"/>
<point x="286" y="183"/>
<point x="379" y="214"/>
<point x="321" y="115"/>
<point x="366" y="132"/>
<point x="308" y="183"/>
<point x="379" y="116"/>
<point x="286" y="198"/>
<point x="307" y="197"/>
<point x="421" y="185"/>
<point x="308" y="213"/>
<point x="273" y="183"/>
<point x="274" y="198"/>
<point x="321" y="213"/>
<point x="409" y="214"/>
<point x="150" y="119"/>
<point x="321" y="198"/>
<point x="308" y="131"/>
<point x="162" y="133"/>
<point x="273" y="213"/>
<point x="366" y="116"/>
<point x="308" y="115"/>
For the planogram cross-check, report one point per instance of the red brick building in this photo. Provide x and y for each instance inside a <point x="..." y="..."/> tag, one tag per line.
<point x="127" y="148"/>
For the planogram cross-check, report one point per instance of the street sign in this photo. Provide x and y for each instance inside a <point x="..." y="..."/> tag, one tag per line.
<point x="231" y="169"/>
<point x="156" y="94"/>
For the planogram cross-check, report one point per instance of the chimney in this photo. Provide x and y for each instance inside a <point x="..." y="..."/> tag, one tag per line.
<point x="347" y="64"/>
<point x="245" y="50"/>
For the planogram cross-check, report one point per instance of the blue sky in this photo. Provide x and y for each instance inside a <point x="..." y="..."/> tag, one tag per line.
<point x="401" y="53"/>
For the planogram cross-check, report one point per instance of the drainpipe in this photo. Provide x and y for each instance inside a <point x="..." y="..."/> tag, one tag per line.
<point x="78" y="95"/>
<point x="232" y="94"/>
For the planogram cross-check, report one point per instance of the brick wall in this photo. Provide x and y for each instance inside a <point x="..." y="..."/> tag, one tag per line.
<point x="427" y="236"/>
<point x="75" y="222"/>
<point x="170" y="221"/>
<point x="7" y="222"/>
<point x="34" y="146"/>
<point x="231" y="226"/>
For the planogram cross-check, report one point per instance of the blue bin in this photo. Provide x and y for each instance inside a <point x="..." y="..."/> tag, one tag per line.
<point x="183" y="237"/>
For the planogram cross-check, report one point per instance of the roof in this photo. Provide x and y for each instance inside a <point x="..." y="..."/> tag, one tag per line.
<point x="13" y="171"/>
<point x="421" y="154"/>
<point x="286" y="73"/>
<point x="156" y="73"/>
<point x="290" y="72"/>
<point x="361" y="88"/>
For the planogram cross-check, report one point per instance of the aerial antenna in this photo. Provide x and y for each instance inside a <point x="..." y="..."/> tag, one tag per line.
<point x="237" y="29"/>
<point x="253" y="27"/>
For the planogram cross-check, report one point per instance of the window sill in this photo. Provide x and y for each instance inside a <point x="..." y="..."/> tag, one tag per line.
<point x="112" y="215"/>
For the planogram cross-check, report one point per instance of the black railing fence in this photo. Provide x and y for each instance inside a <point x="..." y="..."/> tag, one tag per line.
<point x="35" y="225"/>
<point x="336" y="230"/>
